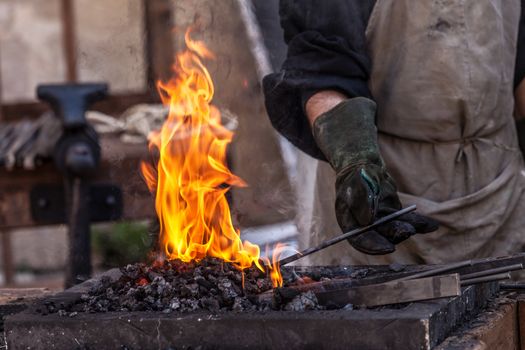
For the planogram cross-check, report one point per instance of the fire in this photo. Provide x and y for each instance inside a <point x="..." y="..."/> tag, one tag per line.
<point x="191" y="177"/>
<point x="275" y="269"/>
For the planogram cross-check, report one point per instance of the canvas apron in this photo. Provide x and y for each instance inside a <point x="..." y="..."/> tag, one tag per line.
<point x="442" y="77"/>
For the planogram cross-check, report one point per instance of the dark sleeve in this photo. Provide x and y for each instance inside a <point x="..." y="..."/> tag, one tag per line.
<point x="520" y="57"/>
<point x="326" y="50"/>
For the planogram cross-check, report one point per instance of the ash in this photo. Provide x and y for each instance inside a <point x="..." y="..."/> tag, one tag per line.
<point x="174" y="286"/>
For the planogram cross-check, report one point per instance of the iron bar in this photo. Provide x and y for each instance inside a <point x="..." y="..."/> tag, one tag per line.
<point x="491" y="278"/>
<point x="437" y="271"/>
<point x="78" y="268"/>
<point x="494" y="271"/>
<point x="345" y="236"/>
<point x="512" y="286"/>
<point x="481" y="267"/>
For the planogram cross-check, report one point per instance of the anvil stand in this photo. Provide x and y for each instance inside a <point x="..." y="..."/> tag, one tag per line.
<point x="77" y="156"/>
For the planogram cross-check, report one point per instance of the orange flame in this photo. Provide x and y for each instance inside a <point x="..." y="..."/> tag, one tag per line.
<point x="191" y="177"/>
<point x="273" y="267"/>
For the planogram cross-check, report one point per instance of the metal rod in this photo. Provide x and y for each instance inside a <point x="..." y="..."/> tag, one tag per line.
<point x="512" y="286"/>
<point x="473" y="264"/>
<point x="78" y="267"/>
<point x="493" y="271"/>
<point x="437" y="271"/>
<point x="491" y="278"/>
<point x="347" y="235"/>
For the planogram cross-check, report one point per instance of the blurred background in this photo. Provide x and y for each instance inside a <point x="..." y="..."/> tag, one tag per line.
<point x="129" y="44"/>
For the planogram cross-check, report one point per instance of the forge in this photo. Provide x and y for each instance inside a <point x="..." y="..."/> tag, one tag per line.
<point x="417" y="325"/>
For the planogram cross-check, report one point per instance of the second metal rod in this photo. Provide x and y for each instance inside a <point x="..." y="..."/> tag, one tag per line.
<point x="347" y="235"/>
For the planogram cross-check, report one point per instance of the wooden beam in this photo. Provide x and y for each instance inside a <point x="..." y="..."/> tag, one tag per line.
<point x="495" y="328"/>
<point x="1" y="93"/>
<point x="521" y="321"/>
<point x="113" y="105"/>
<point x="158" y="22"/>
<point x="69" y="40"/>
<point x="22" y="295"/>
<point x="7" y="258"/>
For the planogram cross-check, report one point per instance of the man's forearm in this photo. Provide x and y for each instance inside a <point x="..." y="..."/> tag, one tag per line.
<point x="322" y="102"/>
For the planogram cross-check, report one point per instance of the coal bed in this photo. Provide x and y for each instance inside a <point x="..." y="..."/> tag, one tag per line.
<point x="175" y="286"/>
<point x="210" y="285"/>
<point x="171" y="305"/>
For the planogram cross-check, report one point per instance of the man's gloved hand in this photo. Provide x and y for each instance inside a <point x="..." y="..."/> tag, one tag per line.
<point x="365" y="192"/>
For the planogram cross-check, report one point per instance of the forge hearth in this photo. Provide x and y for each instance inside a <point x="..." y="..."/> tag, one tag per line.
<point x="419" y="325"/>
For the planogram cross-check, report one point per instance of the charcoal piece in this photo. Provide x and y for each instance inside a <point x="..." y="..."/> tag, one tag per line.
<point x="282" y="296"/>
<point x="235" y="276"/>
<point x="264" y="284"/>
<point x="190" y="304"/>
<point x="152" y="275"/>
<point x="175" y="304"/>
<point x="348" y="307"/>
<point x="131" y="271"/>
<point x="243" y="304"/>
<point x="227" y="289"/>
<point x="190" y="290"/>
<point x="204" y="283"/>
<point x="212" y="278"/>
<point x="139" y="307"/>
<point x="210" y="303"/>
<point x="302" y="302"/>
<point x="238" y="305"/>
<point x="103" y="283"/>
<point x="50" y="307"/>
<point x="62" y="313"/>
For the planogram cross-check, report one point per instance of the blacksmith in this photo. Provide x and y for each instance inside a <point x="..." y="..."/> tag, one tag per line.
<point x="399" y="102"/>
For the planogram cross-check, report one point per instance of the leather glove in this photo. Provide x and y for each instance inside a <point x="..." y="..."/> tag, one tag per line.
<point x="365" y="192"/>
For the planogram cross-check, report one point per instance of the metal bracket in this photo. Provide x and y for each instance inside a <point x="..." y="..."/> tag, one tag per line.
<point x="48" y="203"/>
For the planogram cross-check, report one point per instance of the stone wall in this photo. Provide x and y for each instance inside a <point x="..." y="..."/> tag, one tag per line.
<point x="110" y="45"/>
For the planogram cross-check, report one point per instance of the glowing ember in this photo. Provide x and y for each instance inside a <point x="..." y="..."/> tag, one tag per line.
<point x="191" y="177"/>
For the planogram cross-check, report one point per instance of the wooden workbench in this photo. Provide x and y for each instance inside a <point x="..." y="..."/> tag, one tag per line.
<point x="500" y="327"/>
<point x="119" y="166"/>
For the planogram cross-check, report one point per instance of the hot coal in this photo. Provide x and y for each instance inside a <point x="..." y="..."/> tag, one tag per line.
<point x="175" y="286"/>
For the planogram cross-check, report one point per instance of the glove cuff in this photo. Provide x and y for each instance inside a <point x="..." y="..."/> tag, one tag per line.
<point x="347" y="134"/>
